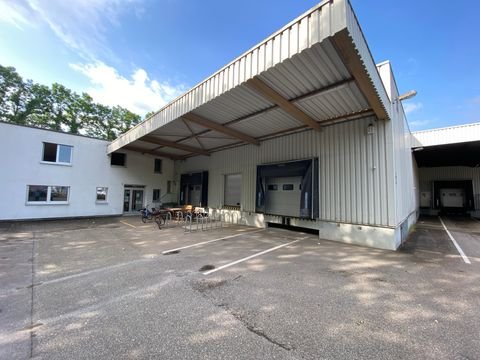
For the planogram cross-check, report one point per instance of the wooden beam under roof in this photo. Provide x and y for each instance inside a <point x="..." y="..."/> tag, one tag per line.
<point x="273" y="96"/>
<point x="167" y="143"/>
<point x="153" y="152"/>
<point x="350" y="57"/>
<point x="212" y="125"/>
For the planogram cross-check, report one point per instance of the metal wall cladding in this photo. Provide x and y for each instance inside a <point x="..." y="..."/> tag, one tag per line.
<point x="352" y="170"/>
<point x="448" y="135"/>
<point x="428" y="175"/>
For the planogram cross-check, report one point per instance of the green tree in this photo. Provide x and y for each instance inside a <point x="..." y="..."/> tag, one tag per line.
<point x="59" y="108"/>
<point x="14" y="96"/>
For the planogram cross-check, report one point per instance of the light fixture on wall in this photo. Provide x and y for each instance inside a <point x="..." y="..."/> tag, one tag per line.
<point x="408" y="95"/>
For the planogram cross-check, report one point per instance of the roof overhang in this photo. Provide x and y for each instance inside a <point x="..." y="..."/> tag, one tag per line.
<point x="315" y="71"/>
<point x="455" y="154"/>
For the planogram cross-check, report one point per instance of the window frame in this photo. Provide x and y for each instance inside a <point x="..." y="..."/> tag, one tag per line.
<point x="48" y="200"/>
<point x="96" y="194"/>
<point x="57" y="154"/>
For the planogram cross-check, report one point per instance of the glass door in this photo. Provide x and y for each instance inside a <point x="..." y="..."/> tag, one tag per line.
<point x="137" y="200"/>
<point x="126" y="200"/>
<point x="132" y="200"/>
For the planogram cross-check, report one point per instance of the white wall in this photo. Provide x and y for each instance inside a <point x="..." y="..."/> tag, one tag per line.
<point x="20" y="165"/>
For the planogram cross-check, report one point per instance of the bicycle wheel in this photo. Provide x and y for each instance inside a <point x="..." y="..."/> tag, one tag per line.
<point x="144" y="219"/>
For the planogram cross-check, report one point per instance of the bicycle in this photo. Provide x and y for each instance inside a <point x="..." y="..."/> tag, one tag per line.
<point x="147" y="214"/>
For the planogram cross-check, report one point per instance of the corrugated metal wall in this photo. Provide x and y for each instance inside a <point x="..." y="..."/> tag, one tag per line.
<point x="352" y="166"/>
<point x="427" y="175"/>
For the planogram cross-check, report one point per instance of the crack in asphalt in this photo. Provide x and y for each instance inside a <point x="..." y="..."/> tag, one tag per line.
<point x="258" y="331"/>
<point x="202" y="287"/>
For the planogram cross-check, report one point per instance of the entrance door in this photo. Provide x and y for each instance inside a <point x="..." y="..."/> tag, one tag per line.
<point x="132" y="200"/>
<point x="137" y="200"/>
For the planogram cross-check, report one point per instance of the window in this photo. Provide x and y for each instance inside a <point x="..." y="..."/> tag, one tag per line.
<point x="118" y="159"/>
<point x="47" y="194"/>
<point x="55" y="153"/>
<point x="37" y="193"/>
<point x="157" y="168"/>
<point x="156" y="195"/>
<point x="102" y="193"/>
<point x="287" y="187"/>
<point x="273" y="187"/>
<point x="233" y="190"/>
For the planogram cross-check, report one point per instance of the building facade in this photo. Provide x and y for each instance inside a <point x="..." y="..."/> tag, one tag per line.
<point x="303" y="130"/>
<point x="47" y="174"/>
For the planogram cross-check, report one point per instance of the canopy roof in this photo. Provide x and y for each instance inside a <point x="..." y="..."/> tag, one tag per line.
<point x="315" y="71"/>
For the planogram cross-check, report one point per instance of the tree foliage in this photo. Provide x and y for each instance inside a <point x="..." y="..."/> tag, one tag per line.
<point x="59" y="108"/>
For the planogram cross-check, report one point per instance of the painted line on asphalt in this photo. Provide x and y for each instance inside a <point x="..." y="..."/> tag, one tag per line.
<point x="210" y="241"/>
<point x="124" y="222"/>
<point x="459" y="249"/>
<point x="250" y="257"/>
<point x="98" y="270"/>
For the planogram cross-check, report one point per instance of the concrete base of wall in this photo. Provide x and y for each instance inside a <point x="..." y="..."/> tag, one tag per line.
<point x="371" y="236"/>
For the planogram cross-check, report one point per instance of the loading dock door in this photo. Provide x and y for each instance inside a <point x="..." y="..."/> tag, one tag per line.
<point x="452" y="198"/>
<point x="194" y="189"/>
<point x="283" y="196"/>
<point x="296" y="191"/>
<point x="453" y="194"/>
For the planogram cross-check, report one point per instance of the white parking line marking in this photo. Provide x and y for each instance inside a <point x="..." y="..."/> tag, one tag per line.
<point x="250" y="257"/>
<point x="210" y="241"/>
<point x="459" y="249"/>
<point x="124" y="222"/>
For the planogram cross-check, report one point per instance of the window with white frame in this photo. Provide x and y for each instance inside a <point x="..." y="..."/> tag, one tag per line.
<point x="45" y="194"/>
<point x="102" y="193"/>
<point x="233" y="190"/>
<point x="57" y="153"/>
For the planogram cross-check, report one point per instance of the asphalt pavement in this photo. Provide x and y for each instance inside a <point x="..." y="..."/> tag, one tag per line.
<point x="119" y="289"/>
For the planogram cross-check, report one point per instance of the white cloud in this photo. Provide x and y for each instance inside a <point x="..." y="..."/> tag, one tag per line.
<point x="14" y="13"/>
<point x="410" y="107"/>
<point x="139" y="94"/>
<point x="81" y="24"/>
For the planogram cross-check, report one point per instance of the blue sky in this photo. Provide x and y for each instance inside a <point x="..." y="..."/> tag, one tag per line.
<point x="142" y="53"/>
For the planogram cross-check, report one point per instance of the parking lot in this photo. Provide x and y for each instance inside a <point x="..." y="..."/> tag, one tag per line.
<point x="116" y="288"/>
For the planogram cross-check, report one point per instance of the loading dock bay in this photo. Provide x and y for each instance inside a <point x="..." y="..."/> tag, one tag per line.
<point x="117" y="288"/>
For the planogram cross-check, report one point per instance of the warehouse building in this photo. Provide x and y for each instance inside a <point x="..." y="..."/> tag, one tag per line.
<point x="303" y="130"/>
<point x="449" y="169"/>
